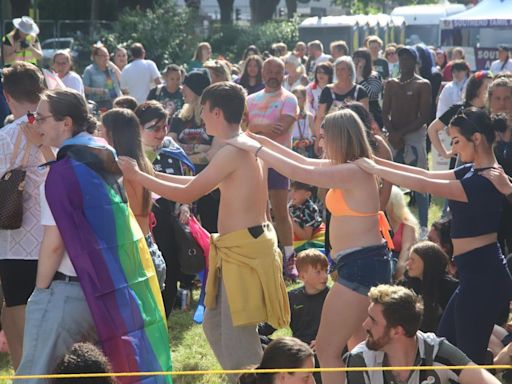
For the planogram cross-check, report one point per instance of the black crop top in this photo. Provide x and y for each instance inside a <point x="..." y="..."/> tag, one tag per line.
<point x="482" y="213"/>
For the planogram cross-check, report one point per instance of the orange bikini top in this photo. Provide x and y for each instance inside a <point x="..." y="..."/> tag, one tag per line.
<point x="335" y="202"/>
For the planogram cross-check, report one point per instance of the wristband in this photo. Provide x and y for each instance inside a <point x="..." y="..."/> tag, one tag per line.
<point x="259" y="149"/>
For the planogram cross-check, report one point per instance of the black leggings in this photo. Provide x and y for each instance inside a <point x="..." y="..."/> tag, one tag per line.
<point x="164" y="236"/>
<point x="485" y="288"/>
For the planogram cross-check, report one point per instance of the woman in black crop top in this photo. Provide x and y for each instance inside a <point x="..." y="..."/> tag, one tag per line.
<point x="476" y="205"/>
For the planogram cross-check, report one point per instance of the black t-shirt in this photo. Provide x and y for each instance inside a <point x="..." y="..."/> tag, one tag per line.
<point x="172" y="102"/>
<point x="356" y="93"/>
<point x="381" y="66"/>
<point x="305" y="310"/>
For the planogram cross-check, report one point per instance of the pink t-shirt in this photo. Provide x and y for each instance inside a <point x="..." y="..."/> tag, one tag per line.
<point x="267" y="108"/>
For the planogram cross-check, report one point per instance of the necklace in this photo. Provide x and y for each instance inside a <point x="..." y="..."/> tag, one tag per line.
<point x="407" y="81"/>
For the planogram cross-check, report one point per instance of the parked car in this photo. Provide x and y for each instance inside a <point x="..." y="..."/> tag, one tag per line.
<point x="50" y="46"/>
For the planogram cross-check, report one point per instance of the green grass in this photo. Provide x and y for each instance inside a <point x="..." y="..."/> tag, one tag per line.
<point x="190" y="350"/>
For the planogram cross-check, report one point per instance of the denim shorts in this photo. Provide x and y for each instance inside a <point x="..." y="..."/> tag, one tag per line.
<point x="158" y="260"/>
<point x="363" y="268"/>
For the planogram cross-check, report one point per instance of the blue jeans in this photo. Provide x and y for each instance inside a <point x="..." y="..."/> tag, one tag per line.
<point x="485" y="289"/>
<point x="363" y="268"/>
<point x="56" y="318"/>
<point x="414" y="154"/>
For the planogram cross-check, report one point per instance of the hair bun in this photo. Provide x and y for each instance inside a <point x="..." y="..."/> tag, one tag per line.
<point x="499" y="122"/>
<point x="91" y="124"/>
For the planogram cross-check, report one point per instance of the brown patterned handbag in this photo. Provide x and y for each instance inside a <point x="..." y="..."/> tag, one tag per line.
<point x="12" y="185"/>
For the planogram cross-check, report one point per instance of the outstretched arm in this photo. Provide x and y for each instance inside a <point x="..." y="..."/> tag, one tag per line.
<point x="180" y="180"/>
<point x="339" y="176"/>
<point x="477" y="376"/>
<point x="218" y="169"/>
<point x="439" y="175"/>
<point x="284" y="151"/>
<point x="450" y="189"/>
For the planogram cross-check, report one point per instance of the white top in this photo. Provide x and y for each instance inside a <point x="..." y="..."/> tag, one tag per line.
<point x="22" y="243"/>
<point x="320" y="59"/>
<point x="74" y="81"/>
<point x="496" y="67"/>
<point x="138" y="78"/>
<point x="451" y="94"/>
<point x="65" y="266"/>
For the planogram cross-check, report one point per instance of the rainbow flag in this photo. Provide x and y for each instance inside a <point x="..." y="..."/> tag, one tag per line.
<point x="109" y="253"/>
<point x="317" y="241"/>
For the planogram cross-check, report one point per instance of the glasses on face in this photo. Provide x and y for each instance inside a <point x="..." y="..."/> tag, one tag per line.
<point x="157" y="127"/>
<point x="37" y="118"/>
<point x="390" y="53"/>
<point x="101" y="55"/>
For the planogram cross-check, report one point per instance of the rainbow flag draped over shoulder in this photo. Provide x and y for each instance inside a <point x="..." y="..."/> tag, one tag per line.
<point x="111" y="258"/>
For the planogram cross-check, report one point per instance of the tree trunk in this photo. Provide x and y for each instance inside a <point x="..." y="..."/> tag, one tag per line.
<point x="262" y="10"/>
<point x="20" y="8"/>
<point x="291" y="7"/>
<point x="226" y="11"/>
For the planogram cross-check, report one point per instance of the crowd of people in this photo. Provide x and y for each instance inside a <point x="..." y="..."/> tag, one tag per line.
<point x="300" y="165"/>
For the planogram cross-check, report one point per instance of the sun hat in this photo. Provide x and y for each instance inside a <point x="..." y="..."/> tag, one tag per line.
<point x="26" y="25"/>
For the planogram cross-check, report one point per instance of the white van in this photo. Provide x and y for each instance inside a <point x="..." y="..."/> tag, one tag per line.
<point x="422" y="21"/>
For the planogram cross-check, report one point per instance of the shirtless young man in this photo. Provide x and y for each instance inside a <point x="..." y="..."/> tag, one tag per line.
<point x="406" y="110"/>
<point x="250" y="288"/>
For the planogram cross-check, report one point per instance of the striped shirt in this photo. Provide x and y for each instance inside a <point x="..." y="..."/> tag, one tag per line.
<point x="432" y="351"/>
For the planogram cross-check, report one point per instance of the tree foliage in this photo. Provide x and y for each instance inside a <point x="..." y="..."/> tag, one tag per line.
<point x="166" y="31"/>
<point x="233" y="40"/>
<point x="376" y="6"/>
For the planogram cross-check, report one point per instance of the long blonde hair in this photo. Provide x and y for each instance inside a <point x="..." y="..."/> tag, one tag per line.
<point x="192" y="111"/>
<point x="397" y="209"/>
<point x="345" y="137"/>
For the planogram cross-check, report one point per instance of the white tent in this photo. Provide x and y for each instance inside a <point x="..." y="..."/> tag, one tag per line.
<point x="486" y="14"/>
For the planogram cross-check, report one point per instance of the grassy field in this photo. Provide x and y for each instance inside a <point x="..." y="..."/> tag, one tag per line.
<point x="190" y="350"/>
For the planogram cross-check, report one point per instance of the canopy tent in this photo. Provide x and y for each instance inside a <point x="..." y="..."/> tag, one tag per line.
<point x="486" y="14"/>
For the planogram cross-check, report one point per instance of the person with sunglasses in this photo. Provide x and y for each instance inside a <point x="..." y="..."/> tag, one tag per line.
<point x="165" y="154"/>
<point x="476" y="206"/>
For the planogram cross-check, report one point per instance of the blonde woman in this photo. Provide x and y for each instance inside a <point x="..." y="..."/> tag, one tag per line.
<point x="405" y="228"/>
<point x="294" y="73"/>
<point x="219" y="70"/>
<point x="202" y="55"/>
<point x="362" y="259"/>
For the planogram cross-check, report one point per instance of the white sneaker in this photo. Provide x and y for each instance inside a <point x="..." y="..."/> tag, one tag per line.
<point x="423" y="233"/>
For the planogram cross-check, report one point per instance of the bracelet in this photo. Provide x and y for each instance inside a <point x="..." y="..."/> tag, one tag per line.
<point x="259" y="149"/>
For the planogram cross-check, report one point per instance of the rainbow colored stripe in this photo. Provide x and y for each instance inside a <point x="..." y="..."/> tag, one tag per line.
<point x="111" y="258"/>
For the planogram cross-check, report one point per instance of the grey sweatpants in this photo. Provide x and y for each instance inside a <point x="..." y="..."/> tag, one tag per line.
<point x="234" y="347"/>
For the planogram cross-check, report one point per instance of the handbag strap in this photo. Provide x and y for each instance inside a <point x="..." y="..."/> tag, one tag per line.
<point x="16" y="149"/>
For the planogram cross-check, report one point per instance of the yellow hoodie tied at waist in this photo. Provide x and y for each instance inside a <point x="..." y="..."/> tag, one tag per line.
<point x="251" y="270"/>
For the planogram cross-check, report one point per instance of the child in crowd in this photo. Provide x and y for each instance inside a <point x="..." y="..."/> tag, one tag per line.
<point x="307" y="301"/>
<point x="169" y="94"/>
<point x="84" y="358"/>
<point x="282" y="353"/>
<point x="302" y="135"/>
<point x="308" y="227"/>
<point x="125" y="101"/>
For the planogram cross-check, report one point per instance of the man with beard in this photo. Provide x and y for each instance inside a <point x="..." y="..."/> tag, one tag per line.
<point x="394" y="316"/>
<point x="271" y="113"/>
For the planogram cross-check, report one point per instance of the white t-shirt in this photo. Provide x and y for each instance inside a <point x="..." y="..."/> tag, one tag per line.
<point x="496" y="67"/>
<point x="74" y="81"/>
<point x="65" y="266"/>
<point x="138" y="78"/>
